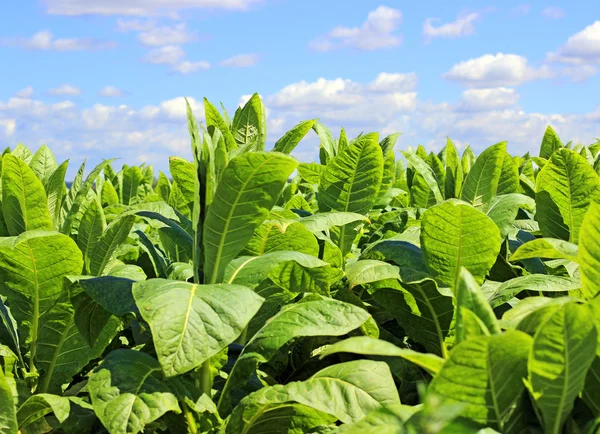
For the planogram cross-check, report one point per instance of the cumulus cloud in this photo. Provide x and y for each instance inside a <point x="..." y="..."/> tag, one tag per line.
<point x="462" y="26"/>
<point x="111" y="92"/>
<point x="125" y="26"/>
<point x="166" y="35"/>
<point x="579" y="56"/>
<point x="554" y="12"/>
<point x="488" y="99"/>
<point x="65" y="90"/>
<point x="25" y="93"/>
<point x="45" y="40"/>
<point x="187" y="67"/>
<point x="377" y="32"/>
<point x="394" y="82"/>
<point x="241" y="61"/>
<point x="496" y="70"/>
<point x="139" y="7"/>
<point x="167" y="55"/>
<point x="8" y="127"/>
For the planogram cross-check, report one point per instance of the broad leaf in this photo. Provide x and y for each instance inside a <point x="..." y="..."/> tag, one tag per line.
<point x="589" y="252"/>
<point x="290" y="140"/>
<point x="547" y="248"/>
<point x="482" y="180"/>
<point x="115" y="234"/>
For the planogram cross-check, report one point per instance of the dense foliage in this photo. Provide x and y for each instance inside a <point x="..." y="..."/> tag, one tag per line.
<point x="250" y="293"/>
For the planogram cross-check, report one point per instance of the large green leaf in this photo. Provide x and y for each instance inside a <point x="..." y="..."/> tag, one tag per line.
<point x="214" y="119"/>
<point x="427" y="173"/>
<point x="565" y="187"/>
<point x="454" y="173"/>
<point x="455" y="235"/>
<point x="191" y="323"/>
<point x="249" y="124"/>
<point x="271" y="237"/>
<point x="56" y="190"/>
<point x="43" y="163"/>
<point x="550" y="143"/>
<point x="589" y="252"/>
<point x="290" y="140"/>
<point x="247" y="191"/>
<point x="32" y="270"/>
<point x="482" y="180"/>
<point x="115" y="234"/>
<point x="421" y="309"/>
<point x="469" y="296"/>
<point x="503" y="210"/>
<point x="349" y="391"/>
<point x="8" y="415"/>
<point x="325" y="317"/>
<point x="351" y="181"/>
<point x="370" y="270"/>
<point x="129" y="391"/>
<point x="485" y="375"/>
<point x="548" y="248"/>
<point x="62" y="351"/>
<point x="564" y="347"/>
<point x="376" y="347"/>
<point x="499" y="293"/>
<point x="90" y="230"/>
<point x="132" y="179"/>
<point x="24" y="202"/>
<point x="37" y="406"/>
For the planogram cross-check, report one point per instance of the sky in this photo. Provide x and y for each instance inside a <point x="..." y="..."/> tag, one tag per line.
<point x="107" y="78"/>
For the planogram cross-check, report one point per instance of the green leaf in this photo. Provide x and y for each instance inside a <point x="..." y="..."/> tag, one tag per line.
<point x="290" y="140"/>
<point x="326" y="220"/>
<point x="62" y="350"/>
<point x="191" y="323"/>
<point x="351" y="181"/>
<point x="385" y="420"/>
<point x="376" y="347"/>
<point x="564" y="347"/>
<point x="90" y="230"/>
<point x="455" y="235"/>
<point x="114" y="294"/>
<point x="56" y="190"/>
<point x="214" y="119"/>
<point x="80" y="196"/>
<point x="550" y="143"/>
<point x="32" y="269"/>
<point x="567" y="184"/>
<point x="24" y="202"/>
<point x="589" y="252"/>
<point x="370" y="270"/>
<point x="426" y="172"/>
<point x="248" y="189"/>
<point x="469" y="296"/>
<point x="348" y="391"/>
<point x="184" y="177"/>
<point x="43" y="163"/>
<point x="548" y="248"/>
<point x="128" y="392"/>
<point x="249" y="125"/>
<point x="482" y="180"/>
<point x="115" y="234"/>
<point x="132" y="179"/>
<point x="454" y="172"/>
<point x="509" y="176"/>
<point x="326" y="142"/>
<point x="423" y="310"/>
<point x="42" y="404"/>
<point x="8" y="415"/>
<point x="503" y="210"/>
<point x="310" y="172"/>
<point x="505" y="291"/>
<point x="324" y="317"/>
<point x="269" y="237"/>
<point x="485" y="375"/>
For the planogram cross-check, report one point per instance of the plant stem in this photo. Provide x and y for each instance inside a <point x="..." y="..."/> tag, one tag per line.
<point x="243" y="337"/>
<point x="206" y="379"/>
<point x="189" y="417"/>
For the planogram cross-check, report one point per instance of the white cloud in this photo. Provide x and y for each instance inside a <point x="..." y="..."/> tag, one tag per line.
<point x="488" y="99"/>
<point x="522" y="9"/>
<point x="377" y="32"/>
<point x="167" y="55"/>
<point x="25" y="93"/>
<point x="111" y="92"/>
<point x="45" y="40"/>
<point x="65" y="90"/>
<point x="398" y="82"/>
<point x="187" y="67"/>
<point x="125" y="26"/>
<point x="9" y="126"/>
<point x="496" y="70"/>
<point x="139" y="7"/>
<point x="554" y="12"/>
<point x="166" y="35"/>
<point x="241" y="61"/>
<point x="580" y="55"/>
<point x="462" y="26"/>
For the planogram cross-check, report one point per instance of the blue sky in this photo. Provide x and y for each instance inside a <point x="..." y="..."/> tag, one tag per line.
<point x="106" y="78"/>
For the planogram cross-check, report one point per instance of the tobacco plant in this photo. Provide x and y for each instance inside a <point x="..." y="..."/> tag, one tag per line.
<point x="247" y="292"/>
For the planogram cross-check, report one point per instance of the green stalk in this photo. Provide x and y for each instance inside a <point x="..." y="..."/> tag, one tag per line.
<point x="206" y="380"/>
<point x="189" y="417"/>
<point x="243" y="337"/>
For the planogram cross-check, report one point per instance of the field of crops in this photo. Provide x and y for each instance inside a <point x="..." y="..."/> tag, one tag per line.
<point x="376" y="291"/>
